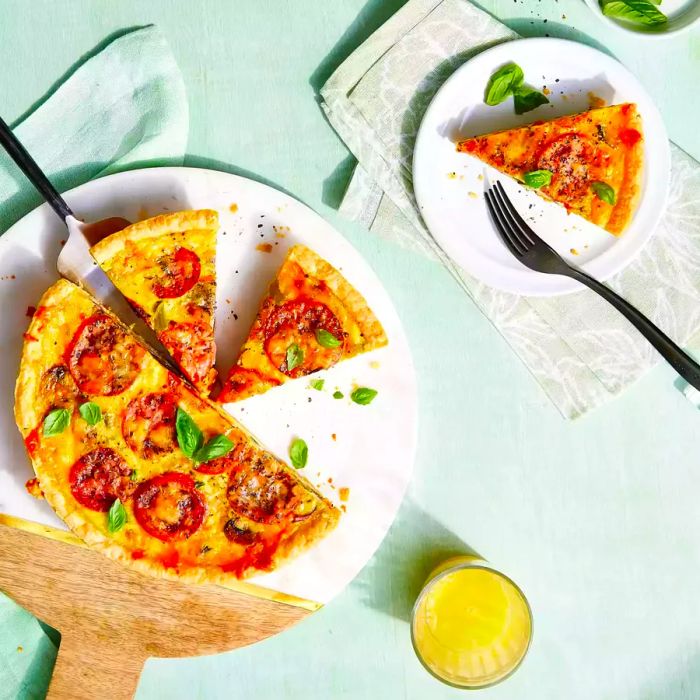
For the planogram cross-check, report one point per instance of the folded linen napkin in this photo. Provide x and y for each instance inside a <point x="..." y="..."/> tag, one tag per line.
<point x="124" y="107"/>
<point x="578" y="348"/>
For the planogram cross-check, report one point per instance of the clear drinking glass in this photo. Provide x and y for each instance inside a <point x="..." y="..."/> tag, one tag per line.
<point x="471" y="625"/>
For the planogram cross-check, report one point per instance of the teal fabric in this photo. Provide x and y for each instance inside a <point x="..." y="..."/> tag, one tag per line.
<point x="124" y="107"/>
<point x="27" y="653"/>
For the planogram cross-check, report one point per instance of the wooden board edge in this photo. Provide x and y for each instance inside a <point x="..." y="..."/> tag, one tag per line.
<point x="68" y="537"/>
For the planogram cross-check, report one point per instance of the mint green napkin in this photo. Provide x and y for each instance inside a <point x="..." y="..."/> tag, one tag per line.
<point x="123" y="108"/>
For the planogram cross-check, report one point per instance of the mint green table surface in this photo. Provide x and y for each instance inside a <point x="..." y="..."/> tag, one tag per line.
<point x="597" y="520"/>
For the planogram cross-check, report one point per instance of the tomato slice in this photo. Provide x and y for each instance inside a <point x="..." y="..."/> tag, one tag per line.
<point x="243" y="382"/>
<point x="215" y="466"/>
<point x="236" y="531"/>
<point x="569" y="156"/>
<point x="148" y="425"/>
<point x="295" y="323"/>
<point x="192" y="347"/>
<point x="99" y="477"/>
<point x="629" y="137"/>
<point x="258" y="489"/>
<point x="102" y="358"/>
<point x="58" y="384"/>
<point x="181" y="271"/>
<point x="169" y="507"/>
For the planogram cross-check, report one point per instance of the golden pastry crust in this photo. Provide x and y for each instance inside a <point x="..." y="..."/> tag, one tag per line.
<point x="308" y="296"/>
<point x="603" y="145"/>
<point x="166" y="267"/>
<point x="156" y="226"/>
<point x="208" y="553"/>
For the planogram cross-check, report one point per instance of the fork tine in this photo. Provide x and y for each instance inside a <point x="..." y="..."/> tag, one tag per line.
<point x="513" y="228"/>
<point x="511" y="241"/>
<point x="518" y="220"/>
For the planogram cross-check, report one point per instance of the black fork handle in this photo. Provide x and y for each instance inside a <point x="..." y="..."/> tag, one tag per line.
<point x="28" y="166"/>
<point x="675" y="356"/>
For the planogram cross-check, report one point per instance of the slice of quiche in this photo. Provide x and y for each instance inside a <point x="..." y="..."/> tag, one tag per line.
<point x="165" y="267"/>
<point x="591" y="162"/>
<point x="311" y="319"/>
<point x="141" y="467"/>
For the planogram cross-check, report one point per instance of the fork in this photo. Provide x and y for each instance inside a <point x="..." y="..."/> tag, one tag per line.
<point x="533" y="252"/>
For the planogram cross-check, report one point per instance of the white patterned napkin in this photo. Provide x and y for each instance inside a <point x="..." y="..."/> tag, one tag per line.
<point x="578" y="348"/>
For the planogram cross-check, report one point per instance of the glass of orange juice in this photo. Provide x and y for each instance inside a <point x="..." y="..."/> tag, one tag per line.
<point x="471" y="625"/>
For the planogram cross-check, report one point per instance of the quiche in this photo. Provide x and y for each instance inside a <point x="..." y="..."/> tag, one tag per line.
<point x="165" y="267"/>
<point x="591" y="162"/>
<point x="310" y="319"/>
<point x="138" y="464"/>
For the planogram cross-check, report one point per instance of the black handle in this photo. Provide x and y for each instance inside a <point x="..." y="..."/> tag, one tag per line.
<point x="28" y="166"/>
<point x="677" y="358"/>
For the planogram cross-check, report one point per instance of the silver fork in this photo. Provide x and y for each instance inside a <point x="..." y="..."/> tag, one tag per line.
<point x="534" y="253"/>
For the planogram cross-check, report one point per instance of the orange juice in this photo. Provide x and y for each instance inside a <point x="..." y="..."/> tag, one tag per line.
<point x="471" y="624"/>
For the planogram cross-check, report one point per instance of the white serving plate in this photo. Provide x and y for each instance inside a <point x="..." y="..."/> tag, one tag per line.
<point x="453" y="207"/>
<point x="375" y="446"/>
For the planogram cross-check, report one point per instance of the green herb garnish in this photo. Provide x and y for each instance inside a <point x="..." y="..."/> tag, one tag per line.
<point x="537" y="178"/>
<point x="191" y="440"/>
<point x="337" y="394"/>
<point x="363" y="395"/>
<point x="604" y="192"/>
<point x="525" y="99"/>
<point x="116" y="518"/>
<point x="295" y="356"/>
<point x="56" y="422"/>
<point x="91" y="413"/>
<point x="502" y="84"/>
<point x="636" y="11"/>
<point x="326" y="339"/>
<point x="218" y="446"/>
<point x="189" y="436"/>
<point x="317" y="384"/>
<point x="298" y="453"/>
<point x="134" y="474"/>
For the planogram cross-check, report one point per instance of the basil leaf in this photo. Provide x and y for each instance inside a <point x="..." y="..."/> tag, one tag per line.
<point x="218" y="446"/>
<point x="326" y="339"/>
<point x="295" y="356"/>
<point x="56" y="421"/>
<point x="298" y="453"/>
<point x="537" y="178"/>
<point x="317" y="384"/>
<point x="91" y="413"/>
<point x="604" y="192"/>
<point x="116" y="518"/>
<point x="337" y="394"/>
<point x="189" y="436"/>
<point x="502" y="83"/>
<point x="160" y="320"/>
<point x="636" y="11"/>
<point x="363" y="395"/>
<point x="525" y="99"/>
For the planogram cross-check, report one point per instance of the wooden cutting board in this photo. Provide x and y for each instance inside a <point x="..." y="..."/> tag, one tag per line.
<point x="112" y="619"/>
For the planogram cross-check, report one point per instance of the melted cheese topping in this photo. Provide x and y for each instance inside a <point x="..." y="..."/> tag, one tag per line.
<point x="40" y="388"/>
<point x="138" y="264"/>
<point x="303" y="277"/>
<point x="601" y="145"/>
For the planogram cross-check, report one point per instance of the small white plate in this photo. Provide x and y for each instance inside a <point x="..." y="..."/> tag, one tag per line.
<point x="682" y="14"/>
<point x="449" y="186"/>
<point x="369" y="449"/>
